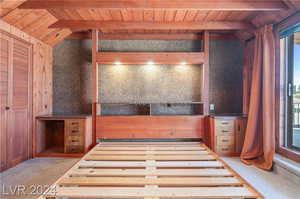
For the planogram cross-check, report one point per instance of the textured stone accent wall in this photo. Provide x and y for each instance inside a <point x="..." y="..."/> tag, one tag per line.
<point x="226" y="85"/>
<point x="72" y="60"/>
<point x="66" y="77"/>
<point x="149" y="83"/>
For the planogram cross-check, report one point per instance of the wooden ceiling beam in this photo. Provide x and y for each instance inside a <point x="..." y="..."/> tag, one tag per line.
<point x="155" y="36"/>
<point x="117" y="25"/>
<point x="138" y="36"/>
<point x="217" y="5"/>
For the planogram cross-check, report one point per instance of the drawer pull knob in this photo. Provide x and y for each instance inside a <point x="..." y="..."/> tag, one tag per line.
<point x="225" y="123"/>
<point x="75" y="131"/>
<point x="75" y="123"/>
<point x="225" y="140"/>
<point x="224" y="131"/>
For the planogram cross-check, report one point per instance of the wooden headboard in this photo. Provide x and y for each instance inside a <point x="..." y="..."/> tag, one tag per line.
<point x="129" y="127"/>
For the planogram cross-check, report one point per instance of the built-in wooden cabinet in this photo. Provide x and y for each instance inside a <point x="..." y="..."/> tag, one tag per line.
<point x="63" y="136"/>
<point x="16" y="100"/>
<point x="227" y="134"/>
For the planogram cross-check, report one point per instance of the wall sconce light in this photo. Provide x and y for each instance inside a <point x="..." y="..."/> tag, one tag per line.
<point x="118" y="63"/>
<point x="183" y="63"/>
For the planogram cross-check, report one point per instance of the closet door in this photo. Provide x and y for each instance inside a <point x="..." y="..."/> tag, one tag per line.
<point x="4" y="63"/>
<point x="19" y="114"/>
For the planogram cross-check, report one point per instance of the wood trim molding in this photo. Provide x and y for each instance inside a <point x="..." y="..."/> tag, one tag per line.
<point x="225" y="5"/>
<point x="293" y="155"/>
<point x="144" y="57"/>
<point x="290" y="21"/>
<point x="123" y="25"/>
<point x="205" y="78"/>
<point x="95" y="41"/>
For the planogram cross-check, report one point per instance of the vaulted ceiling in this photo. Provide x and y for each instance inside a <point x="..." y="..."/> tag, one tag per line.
<point x="53" y="20"/>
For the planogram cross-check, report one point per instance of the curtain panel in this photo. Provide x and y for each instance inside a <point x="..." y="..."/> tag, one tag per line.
<point x="259" y="145"/>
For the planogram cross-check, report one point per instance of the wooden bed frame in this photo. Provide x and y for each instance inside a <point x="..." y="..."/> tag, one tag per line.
<point x="151" y="170"/>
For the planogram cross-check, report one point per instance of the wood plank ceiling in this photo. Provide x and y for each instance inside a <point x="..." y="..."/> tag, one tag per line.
<point x="141" y="16"/>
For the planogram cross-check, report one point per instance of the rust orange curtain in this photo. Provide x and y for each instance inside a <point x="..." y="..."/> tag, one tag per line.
<point x="259" y="145"/>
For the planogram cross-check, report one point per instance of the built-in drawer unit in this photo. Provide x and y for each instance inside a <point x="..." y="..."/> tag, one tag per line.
<point x="75" y="135"/>
<point x="227" y="134"/>
<point x="63" y="135"/>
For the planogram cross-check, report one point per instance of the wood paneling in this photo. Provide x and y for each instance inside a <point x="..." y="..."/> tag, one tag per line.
<point x="158" y="4"/>
<point x="150" y="127"/>
<point x="33" y="22"/>
<point x="144" y="57"/>
<point x="38" y="15"/>
<point x="42" y="89"/>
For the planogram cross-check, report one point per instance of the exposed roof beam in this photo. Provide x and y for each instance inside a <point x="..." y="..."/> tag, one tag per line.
<point x="150" y="36"/>
<point x="238" y="5"/>
<point x="118" y="25"/>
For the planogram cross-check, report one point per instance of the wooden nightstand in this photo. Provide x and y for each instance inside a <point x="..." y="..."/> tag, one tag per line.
<point x="226" y="134"/>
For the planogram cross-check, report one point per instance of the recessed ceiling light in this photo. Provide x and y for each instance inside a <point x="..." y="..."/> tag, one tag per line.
<point x="183" y="63"/>
<point x="150" y="63"/>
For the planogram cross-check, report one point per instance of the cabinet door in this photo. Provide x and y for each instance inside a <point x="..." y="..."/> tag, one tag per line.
<point x="4" y="63"/>
<point x="19" y="114"/>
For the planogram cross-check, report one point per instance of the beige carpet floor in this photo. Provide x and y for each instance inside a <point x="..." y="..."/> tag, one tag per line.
<point x="278" y="184"/>
<point x="45" y="171"/>
<point x="34" y="175"/>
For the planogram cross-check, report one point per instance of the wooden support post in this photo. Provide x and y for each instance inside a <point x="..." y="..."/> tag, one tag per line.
<point x="205" y="79"/>
<point x="95" y="39"/>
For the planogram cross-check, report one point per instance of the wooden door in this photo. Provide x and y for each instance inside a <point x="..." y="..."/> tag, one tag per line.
<point x="4" y="63"/>
<point x="16" y="111"/>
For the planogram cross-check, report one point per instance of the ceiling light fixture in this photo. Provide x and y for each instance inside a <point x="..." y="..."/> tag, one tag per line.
<point x="150" y="63"/>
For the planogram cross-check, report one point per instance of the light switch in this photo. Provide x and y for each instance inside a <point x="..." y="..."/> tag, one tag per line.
<point x="212" y="107"/>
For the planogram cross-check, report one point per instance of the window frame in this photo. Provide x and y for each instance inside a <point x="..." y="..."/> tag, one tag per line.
<point x="279" y="132"/>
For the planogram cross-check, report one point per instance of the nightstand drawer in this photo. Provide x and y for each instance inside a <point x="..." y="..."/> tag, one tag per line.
<point x="74" y="127"/>
<point x="225" y="140"/>
<point x="74" y="149"/>
<point x="74" y="140"/>
<point x="224" y="127"/>
<point x="75" y="132"/>
<point x="225" y="150"/>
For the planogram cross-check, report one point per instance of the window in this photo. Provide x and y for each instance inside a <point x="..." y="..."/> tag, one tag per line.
<point x="290" y="89"/>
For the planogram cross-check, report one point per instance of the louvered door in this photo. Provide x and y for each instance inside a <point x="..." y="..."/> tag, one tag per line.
<point x="4" y="63"/>
<point x="16" y="134"/>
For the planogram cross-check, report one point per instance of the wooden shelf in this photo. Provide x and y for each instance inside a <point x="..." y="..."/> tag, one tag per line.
<point x="144" y="57"/>
<point x="152" y="109"/>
